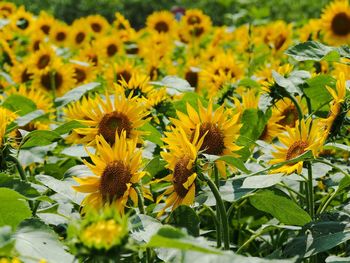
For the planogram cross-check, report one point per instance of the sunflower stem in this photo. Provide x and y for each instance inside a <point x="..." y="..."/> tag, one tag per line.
<point x="53" y="88"/>
<point x="300" y="111"/>
<point x="19" y="167"/>
<point x="141" y="206"/>
<point x="223" y="215"/>
<point x="218" y="227"/>
<point x="310" y="191"/>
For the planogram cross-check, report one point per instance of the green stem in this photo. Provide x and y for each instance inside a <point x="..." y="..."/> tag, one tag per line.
<point x="300" y="112"/>
<point x="20" y="170"/>
<point x="310" y="191"/>
<point x="223" y="215"/>
<point x="218" y="227"/>
<point x="329" y="199"/>
<point x="142" y="211"/>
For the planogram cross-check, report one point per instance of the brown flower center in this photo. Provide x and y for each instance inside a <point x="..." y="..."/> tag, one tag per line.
<point x="114" y="122"/>
<point x="61" y="36"/>
<point x="80" y="37"/>
<point x="290" y="117"/>
<point x="36" y="45"/>
<point x="197" y="31"/>
<point x="43" y="61"/>
<point x="341" y="24"/>
<point x="22" y="23"/>
<point x="296" y="149"/>
<point x="161" y="26"/>
<point x="180" y="176"/>
<point x="125" y="75"/>
<point x="46" y="81"/>
<point x="280" y="40"/>
<point x="214" y="140"/>
<point x="192" y="78"/>
<point x="111" y="50"/>
<point x="114" y="180"/>
<point x="25" y="76"/>
<point x="45" y="29"/>
<point x="96" y="27"/>
<point x="192" y="20"/>
<point x="80" y="75"/>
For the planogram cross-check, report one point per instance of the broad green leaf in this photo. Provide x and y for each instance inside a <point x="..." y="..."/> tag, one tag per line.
<point x="316" y="51"/>
<point x="23" y="120"/>
<point x="35" y="154"/>
<point x="190" y="98"/>
<point x="40" y="138"/>
<point x="174" y="85"/>
<point x="170" y="237"/>
<point x="262" y="181"/>
<point x="238" y="163"/>
<point x="185" y="217"/>
<point x="318" y="237"/>
<point x="337" y="146"/>
<point x="62" y="187"/>
<point x="19" y="104"/>
<point x="13" y="208"/>
<point x="78" y="151"/>
<point x="6" y="240"/>
<point x="336" y="259"/>
<point x="35" y="241"/>
<point x="75" y="94"/>
<point x="143" y="227"/>
<point x="152" y="134"/>
<point x="279" y="206"/>
<point x="292" y="83"/>
<point x="18" y="185"/>
<point x="68" y="127"/>
<point x="156" y="167"/>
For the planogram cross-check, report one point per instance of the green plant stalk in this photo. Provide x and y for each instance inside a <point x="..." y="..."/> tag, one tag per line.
<point x="53" y="87"/>
<point x="19" y="167"/>
<point x="218" y="227"/>
<point x="223" y="215"/>
<point x="294" y="100"/>
<point x="142" y="211"/>
<point x="310" y="191"/>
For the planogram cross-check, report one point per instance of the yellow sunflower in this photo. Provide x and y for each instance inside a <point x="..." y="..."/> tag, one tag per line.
<point x="115" y="173"/>
<point x="22" y="21"/>
<point x="7" y="54"/>
<point x="336" y="23"/>
<point x="180" y="156"/>
<point x="43" y="60"/>
<point x="138" y="85"/>
<point x="193" y="25"/>
<point x="109" y="47"/>
<point x="20" y="72"/>
<point x="44" y="23"/>
<point x="338" y="96"/>
<point x="310" y="31"/>
<point x="220" y="126"/>
<point x="123" y="69"/>
<point x="121" y="23"/>
<point x="59" y="33"/>
<point x="272" y="128"/>
<point x="98" y="24"/>
<point x="83" y="72"/>
<point x="296" y="141"/>
<point x="278" y="35"/>
<point x="79" y="33"/>
<point x="89" y="53"/>
<point x="6" y="117"/>
<point x="58" y="80"/>
<point x="107" y="117"/>
<point x="36" y="41"/>
<point x="161" y="22"/>
<point x="7" y="9"/>
<point x="250" y="100"/>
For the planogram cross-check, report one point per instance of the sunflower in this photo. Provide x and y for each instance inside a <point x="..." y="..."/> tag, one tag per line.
<point x="180" y="156"/>
<point x="109" y="47"/>
<point x="83" y="72"/>
<point x="79" y="33"/>
<point x="20" y="72"/>
<point x="107" y="118"/>
<point x="336" y="23"/>
<point x="161" y="22"/>
<point x="59" y="33"/>
<point x="338" y="95"/>
<point x="21" y="21"/>
<point x="6" y="117"/>
<point x="36" y="41"/>
<point x="310" y="31"/>
<point x="44" y="23"/>
<point x="121" y="23"/>
<point x="90" y="54"/>
<point x="220" y="126"/>
<point x="123" y="69"/>
<point x="115" y="173"/>
<point x="272" y="128"/>
<point x="303" y="137"/>
<point x="58" y="80"/>
<point x="250" y="100"/>
<point x="43" y="60"/>
<point x="7" y="9"/>
<point x="278" y="35"/>
<point x="98" y="24"/>
<point x="138" y="85"/>
<point x="193" y="25"/>
<point x="7" y="55"/>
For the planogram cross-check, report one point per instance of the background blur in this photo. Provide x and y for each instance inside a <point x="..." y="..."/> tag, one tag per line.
<point x="221" y="11"/>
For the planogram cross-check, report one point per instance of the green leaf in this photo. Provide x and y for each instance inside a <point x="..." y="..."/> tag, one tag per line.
<point x="40" y="138"/>
<point x="23" y="120"/>
<point x="238" y="163"/>
<point x="155" y="167"/>
<point x="170" y="237"/>
<point x="262" y="181"/>
<point x="185" y="217"/>
<point x="6" y="240"/>
<point x="318" y="237"/>
<point x="190" y="98"/>
<point x="18" y="185"/>
<point x="35" y="241"/>
<point x="75" y="94"/>
<point x="279" y="206"/>
<point x="13" y="208"/>
<point x="174" y="85"/>
<point x="153" y="135"/>
<point x="68" y="127"/>
<point x="317" y="93"/>
<point x="35" y="154"/>
<point x="292" y="83"/>
<point x="19" y="104"/>
<point x="316" y="51"/>
<point x="62" y="187"/>
<point x="143" y="227"/>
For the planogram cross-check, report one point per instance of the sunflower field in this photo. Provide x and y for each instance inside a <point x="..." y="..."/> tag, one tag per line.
<point x="181" y="141"/>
